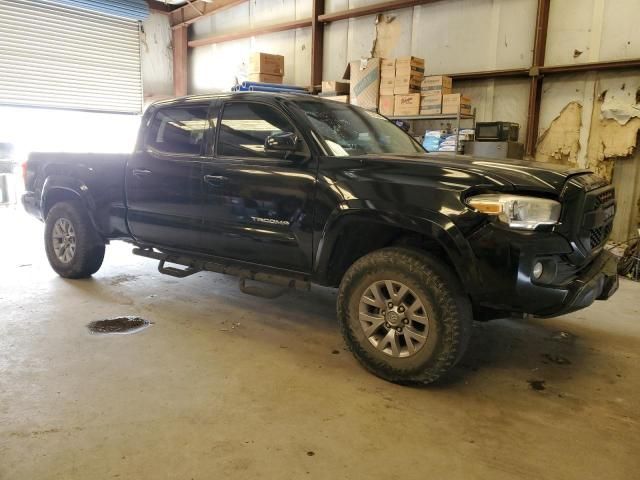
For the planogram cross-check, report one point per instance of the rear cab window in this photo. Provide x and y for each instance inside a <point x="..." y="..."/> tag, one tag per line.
<point x="179" y="130"/>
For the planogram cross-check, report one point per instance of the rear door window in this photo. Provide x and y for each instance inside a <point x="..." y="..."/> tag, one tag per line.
<point x="179" y="130"/>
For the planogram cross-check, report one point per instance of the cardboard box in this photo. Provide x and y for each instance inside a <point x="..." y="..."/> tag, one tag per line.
<point x="264" y="77"/>
<point x="437" y="82"/>
<point x="386" y="105"/>
<point x="365" y="83"/>
<point x="388" y="67"/>
<point x="337" y="98"/>
<point x="453" y="101"/>
<point x="405" y="84"/>
<point x="431" y="103"/>
<point x="335" y="86"/>
<point x="406" y="104"/>
<point x="409" y="66"/>
<point x="266" y="63"/>
<point x="386" y="85"/>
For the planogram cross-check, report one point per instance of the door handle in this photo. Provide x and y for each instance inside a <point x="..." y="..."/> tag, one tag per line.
<point x="215" y="180"/>
<point x="141" y="172"/>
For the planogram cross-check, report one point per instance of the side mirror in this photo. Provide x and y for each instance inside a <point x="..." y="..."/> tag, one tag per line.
<point x="281" y="142"/>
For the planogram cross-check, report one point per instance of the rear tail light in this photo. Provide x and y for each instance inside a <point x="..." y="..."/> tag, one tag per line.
<point x="24" y="173"/>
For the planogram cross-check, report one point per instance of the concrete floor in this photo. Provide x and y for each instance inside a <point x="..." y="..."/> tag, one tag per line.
<point x="224" y="385"/>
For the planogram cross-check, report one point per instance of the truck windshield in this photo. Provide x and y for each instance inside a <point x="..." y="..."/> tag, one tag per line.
<point x="353" y="131"/>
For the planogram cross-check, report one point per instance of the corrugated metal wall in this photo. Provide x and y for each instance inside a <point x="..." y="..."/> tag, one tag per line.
<point x="60" y="57"/>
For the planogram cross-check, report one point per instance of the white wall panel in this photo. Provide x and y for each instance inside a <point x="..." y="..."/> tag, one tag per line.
<point x="469" y="35"/>
<point x="499" y="99"/>
<point x="227" y="21"/>
<point x="583" y="31"/>
<point x="620" y="30"/>
<point x="157" y="57"/>
<point x="335" y="56"/>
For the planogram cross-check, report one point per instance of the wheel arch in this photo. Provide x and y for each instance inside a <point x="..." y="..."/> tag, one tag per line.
<point x="366" y="231"/>
<point x="58" y="189"/>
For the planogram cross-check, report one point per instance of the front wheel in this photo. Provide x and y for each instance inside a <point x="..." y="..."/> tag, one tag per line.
<point x="73" y="247"/>
<point x="404" y="315"/>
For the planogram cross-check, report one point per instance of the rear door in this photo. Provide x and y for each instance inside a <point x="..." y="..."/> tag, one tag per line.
<point x="164" y="178"/>
<point x="258" y="203"/>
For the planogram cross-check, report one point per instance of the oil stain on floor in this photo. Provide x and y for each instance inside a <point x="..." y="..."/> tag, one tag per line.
<point x="119" y="325"/>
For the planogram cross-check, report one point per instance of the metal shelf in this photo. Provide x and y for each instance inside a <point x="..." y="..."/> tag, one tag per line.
<point x="458" y="117"/>
<point x="451" y="116"/>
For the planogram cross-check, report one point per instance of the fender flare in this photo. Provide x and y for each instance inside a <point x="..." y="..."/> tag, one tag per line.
<point x="73" y="185"/>
<point x="433" y="225"/>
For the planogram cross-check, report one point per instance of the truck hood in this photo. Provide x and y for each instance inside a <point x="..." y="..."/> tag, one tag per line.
<point x="519" y="174"/>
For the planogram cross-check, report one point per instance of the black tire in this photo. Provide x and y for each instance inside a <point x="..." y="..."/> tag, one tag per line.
<point x="445" y="305"/>
<point x="89" y="247"/>
<point x="629" y="258"/>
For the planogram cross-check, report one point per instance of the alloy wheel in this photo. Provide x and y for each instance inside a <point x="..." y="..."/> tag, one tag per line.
<point x="393" y="318"/>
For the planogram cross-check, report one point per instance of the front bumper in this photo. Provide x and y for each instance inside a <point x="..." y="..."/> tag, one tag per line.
<point x="505" y="261"/>
<point x="599" y="281"/>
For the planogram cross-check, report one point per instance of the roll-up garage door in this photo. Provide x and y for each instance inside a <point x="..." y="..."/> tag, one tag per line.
<point x="60" y="57"/>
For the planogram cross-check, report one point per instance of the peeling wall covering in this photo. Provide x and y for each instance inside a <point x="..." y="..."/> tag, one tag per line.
<point x="620" y="105"/>
<point x="561" y="141"/>
<point x="387" y="36"/>
<point x="609" y="140"/>
<point x="608" y="122"/>
<point x="602" y="135"/>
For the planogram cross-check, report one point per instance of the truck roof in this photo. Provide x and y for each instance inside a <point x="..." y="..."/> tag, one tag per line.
<point x="253" y="95"/>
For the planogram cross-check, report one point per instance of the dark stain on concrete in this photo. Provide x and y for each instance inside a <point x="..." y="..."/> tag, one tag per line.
<point x="118" y="325"/>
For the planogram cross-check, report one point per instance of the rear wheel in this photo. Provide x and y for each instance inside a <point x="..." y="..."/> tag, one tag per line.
<point x="74" y="248"/>
<point x="404" y="315"/>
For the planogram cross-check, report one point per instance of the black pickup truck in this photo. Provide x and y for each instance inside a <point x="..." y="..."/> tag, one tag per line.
<point x="291" y="190"/>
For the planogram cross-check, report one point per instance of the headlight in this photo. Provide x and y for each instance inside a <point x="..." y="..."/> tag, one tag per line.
<point x="517" y="211"/>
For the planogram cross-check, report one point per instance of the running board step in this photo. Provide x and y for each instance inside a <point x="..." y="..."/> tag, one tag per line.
<point x="195" y="265"/>
<point x="176" y="272"/>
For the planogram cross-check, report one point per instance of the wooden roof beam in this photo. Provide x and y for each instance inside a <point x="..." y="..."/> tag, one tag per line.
<point x="197" y="9"/>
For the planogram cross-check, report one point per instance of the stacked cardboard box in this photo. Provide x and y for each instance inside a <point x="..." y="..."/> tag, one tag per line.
<point x="456" y="101"/>
<point x="407" y="105"/>
<point x="399" y="83"/>
<point x="265" y="67"/>
<point x="337" y="90"/>
<point x="432" y="89"/>
<point x="387" y="80"/>
<point x="364" y="88"/>
<point x="406" y="88"/>
<point x="409" y="75"/>
<point x="386" y="105"/>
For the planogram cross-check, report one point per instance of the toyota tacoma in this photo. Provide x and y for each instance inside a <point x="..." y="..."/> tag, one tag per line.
<point x="292" y="190"/>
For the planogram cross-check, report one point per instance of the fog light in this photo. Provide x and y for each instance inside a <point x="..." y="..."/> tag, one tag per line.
<point x="537" y="270"/>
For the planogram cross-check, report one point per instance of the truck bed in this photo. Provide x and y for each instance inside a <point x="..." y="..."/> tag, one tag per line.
<point x="98" y="177"/>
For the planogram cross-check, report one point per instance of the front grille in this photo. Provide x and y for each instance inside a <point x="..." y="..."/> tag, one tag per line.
<point x="599" y="235"/>
<point x="588" y="205"/>
<point x="598" y="202"/>
<point x="604" y="197"/>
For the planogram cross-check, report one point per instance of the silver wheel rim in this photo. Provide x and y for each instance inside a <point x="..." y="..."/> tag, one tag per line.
<point x="393" y="318"/>
<point x="64" y="240"/>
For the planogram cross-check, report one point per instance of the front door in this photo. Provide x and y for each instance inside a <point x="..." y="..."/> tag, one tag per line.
<point x="164" y="178"/>
<point x="258" y="201"/>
